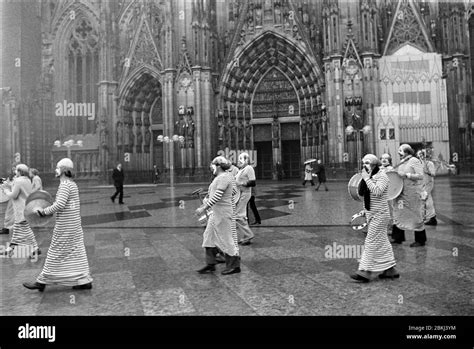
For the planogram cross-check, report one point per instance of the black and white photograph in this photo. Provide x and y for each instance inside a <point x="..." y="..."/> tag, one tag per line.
<point x="202" y="163"/>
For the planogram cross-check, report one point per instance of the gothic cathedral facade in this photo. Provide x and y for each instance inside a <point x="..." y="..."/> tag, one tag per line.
<point x="173" y="83"/>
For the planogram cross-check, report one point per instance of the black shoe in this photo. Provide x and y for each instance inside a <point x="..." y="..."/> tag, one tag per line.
<point x="417" y="244"/>
<point x="255" y="223"/>
<point x="35" y="286"/>
<point x="83" y="287"/>
<point x="327" y="189"/>
<point x="8" y="253"/>
<point x="207" y="269"/>
<point x="231" y="271"/>
<point x="432" y="221"/>
<point x="246" y="243"/>
<point x="113" y="199"/>
<point x="5" y="231"/>
<point x="389" y="274"/>
<point x="121" y="203"/>
<point x="358" y="277"/>
<point x="393" y="241"/>
<point x="35" y="253"/>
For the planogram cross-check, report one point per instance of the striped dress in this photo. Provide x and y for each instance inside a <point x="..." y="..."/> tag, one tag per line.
<point x="220" y="230"/>
<point x="378" y="254"/>
<point x="22" y="233"/>
<point x="66" y="262"/>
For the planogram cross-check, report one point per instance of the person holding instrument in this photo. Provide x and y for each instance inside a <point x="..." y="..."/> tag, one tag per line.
<point x="408" y="207"/>
<point x="378" y="253"/>
<point x="66" y="262"/>
<point x="18" y="192"/>
<point x="220" y="233"/>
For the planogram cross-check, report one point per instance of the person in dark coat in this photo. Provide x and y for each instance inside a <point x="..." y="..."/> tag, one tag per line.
<point x="321" y="172"/>
<point x="118" y="177"/>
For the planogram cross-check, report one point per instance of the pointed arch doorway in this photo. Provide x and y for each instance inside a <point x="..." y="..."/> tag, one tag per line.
<point x="271" y="101"/>
<point x="139" y="123"/>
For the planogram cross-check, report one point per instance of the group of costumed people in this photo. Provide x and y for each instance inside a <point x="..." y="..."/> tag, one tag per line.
<point x="411" y="210"/>
<point x="66" y="262"/>
<point x="227" y="225"/>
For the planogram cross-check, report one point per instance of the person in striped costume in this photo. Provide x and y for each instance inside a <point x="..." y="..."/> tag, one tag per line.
<point x="66" y="262"/>
<point x="220" y="233"/>
<point x="378" y="253"/>
<point x="386" y="161"/>
<point x="18" y="192"/>
<point x="408" y="208"/>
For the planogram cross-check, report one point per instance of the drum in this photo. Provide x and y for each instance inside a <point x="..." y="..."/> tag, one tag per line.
<point x="395" y="186"/>
<point x="38" y="200"/>
<point x="354" y="185"/>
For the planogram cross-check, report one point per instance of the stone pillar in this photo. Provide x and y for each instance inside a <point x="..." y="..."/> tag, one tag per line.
<point x="334" y="109"/>
<point x="208" y="119"/>
<point x="198" y="112"/>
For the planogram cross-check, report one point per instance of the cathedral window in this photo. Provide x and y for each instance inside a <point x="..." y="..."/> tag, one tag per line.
<point x="83" y="68"/>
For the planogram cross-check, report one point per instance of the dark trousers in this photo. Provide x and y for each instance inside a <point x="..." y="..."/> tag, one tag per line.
<point x="323" y="183"/>
<point x="119" y="192"/>
<point x="211" y="253"/>
<point x="253" y="207"/>
<point x="399" y="235"/>
<point x="230" y="261"/>
<point x="311" y="181"/>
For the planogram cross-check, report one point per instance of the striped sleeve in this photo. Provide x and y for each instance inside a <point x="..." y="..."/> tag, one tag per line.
<point x="378" y="185"/>
<point x="215" y="198"/>
<point x="61" y="200"/>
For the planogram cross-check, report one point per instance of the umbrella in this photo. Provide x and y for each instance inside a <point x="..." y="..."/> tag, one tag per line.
<point x="309" y="161"/>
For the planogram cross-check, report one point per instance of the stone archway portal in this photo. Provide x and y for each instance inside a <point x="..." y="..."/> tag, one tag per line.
<point x="271" y="93"/>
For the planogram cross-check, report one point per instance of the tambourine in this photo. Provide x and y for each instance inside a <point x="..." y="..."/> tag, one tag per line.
<point x="358" y="221"/>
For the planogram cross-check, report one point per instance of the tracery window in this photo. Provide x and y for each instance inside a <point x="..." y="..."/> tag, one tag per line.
<point x="83" y="76"/>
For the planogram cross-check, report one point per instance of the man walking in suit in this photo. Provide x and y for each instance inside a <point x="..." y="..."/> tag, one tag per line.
<point x="118" y="178"/>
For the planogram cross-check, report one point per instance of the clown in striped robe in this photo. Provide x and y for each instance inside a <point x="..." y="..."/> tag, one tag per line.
<point x="221" y="228"/>
<point x="66" y="262"/>
<point x="378" y="253"/>
<point x="22" y="233"/>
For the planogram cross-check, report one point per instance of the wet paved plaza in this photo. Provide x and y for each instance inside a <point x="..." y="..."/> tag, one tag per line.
<point x="144" y="256"/>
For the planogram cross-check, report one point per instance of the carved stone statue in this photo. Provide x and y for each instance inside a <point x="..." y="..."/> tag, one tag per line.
<point x="131" y="138"/>
<point x="147" y="140"/>
<point x="277" y="14"/>
<point x="119" y="134"/>
<point x="220" y="125"/>
<point x="139" y="139"/>
<point x="248" y="134"/>
<point x="190" y="132"/>
<point x="275" y="132"/>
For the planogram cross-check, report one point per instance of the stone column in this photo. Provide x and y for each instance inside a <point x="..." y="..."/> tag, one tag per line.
<point x="198" y="112"/>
